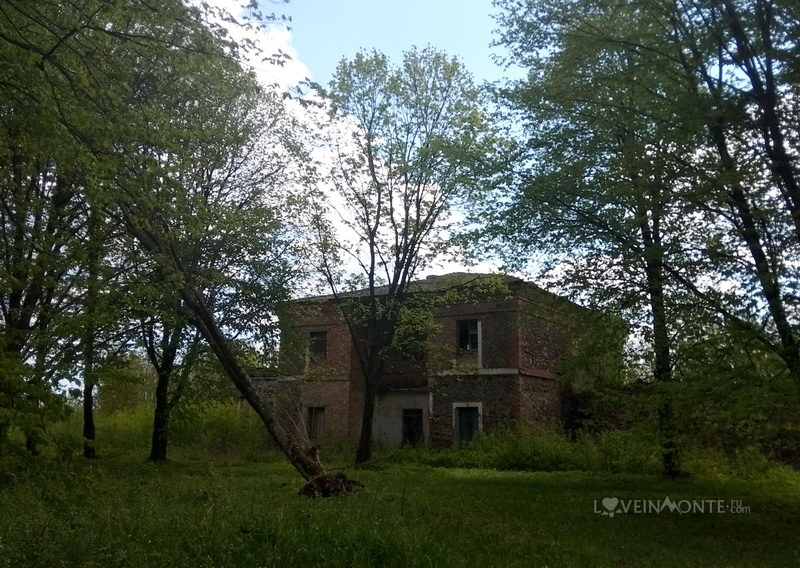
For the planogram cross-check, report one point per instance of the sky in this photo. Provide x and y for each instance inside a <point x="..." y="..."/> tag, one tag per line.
<point x="322" y="32"/>
<point x="325" y="31"/>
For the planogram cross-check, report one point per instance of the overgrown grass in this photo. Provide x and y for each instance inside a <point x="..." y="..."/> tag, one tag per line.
<point x="225" y="499"/>
<point x="123" y="512"/>
<point x="232" y="432"/>
<point x="619" y="451"/>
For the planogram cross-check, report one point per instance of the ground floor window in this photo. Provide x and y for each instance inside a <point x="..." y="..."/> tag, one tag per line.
<point x="467" y="420"/>
<point x="413" y="432"/>
<point x="316" y="422"/>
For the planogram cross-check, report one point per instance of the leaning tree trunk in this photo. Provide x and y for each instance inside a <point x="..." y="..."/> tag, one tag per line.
<point x="304" y="459"/>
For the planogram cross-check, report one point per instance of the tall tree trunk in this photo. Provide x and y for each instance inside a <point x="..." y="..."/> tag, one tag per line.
<point x="380" y="329"/>
<point x="162" y="357"/>
<point x="158" y="446"/>
<point x="89" y="437"/>
<point x="90" y="336"/>
<point x="371" y="382"/>
<point x="765" y="274"/>
<point x="11" y="377"/>
<point x="31" y="445"/>
<point x="662" y="364"/>
<point x="764" y="93"/>
<point x="756" y="59"/>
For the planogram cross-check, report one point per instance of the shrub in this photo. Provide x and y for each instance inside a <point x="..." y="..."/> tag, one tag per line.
<point x="220" y="428"/>
<point x="528" y="449"/>
<point x="223" y="428"/>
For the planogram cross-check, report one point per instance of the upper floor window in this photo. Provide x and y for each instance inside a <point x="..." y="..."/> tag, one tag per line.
<point x="318" y="346"/>
<point x="468" y="336"/>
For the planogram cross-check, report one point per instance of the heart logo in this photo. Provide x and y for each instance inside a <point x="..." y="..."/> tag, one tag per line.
<point x="610" y="503"/>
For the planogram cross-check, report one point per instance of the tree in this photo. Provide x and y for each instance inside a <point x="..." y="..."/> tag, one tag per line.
<point x="405" y="142"/>
<point x="41" y="212"/>
<point x="230" y="175"/>
<point x="172" y="349"/>
<point x="650" y="135"/>
<point x="724" y="82"/>
<point x="598" y="195"/>
<point x="115" y="78"/>
<point x="179" y="220"/>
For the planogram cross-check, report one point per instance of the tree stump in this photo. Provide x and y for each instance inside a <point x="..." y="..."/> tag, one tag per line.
<point x="330" y="485"/>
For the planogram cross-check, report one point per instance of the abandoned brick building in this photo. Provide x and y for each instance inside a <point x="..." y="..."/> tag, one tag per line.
<point x="496" y="361"/>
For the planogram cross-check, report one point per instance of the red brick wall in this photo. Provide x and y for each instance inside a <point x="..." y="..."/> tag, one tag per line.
<point x="544" y="339"/>
<point x="538" y="400"/>
<point x="290" y="400"/>
<point x="336" y="382"/>
<point x="405" y="373"/>
<point x="324" y="317"/>
<point x="334" y="396"/>
<point x="495" y="392"/>
<point x="529" y="332"/>
<point x="498" y="330"/>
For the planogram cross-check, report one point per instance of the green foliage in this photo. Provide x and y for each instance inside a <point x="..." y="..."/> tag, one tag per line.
<point x="138" y="158"/>
<point x="737" y="397"/>
<point x="634" y="451"/>
<point x="526" y="449"/>
<point x="226" y="429"/>
<point x="221" y="428"/>
<point x="406" y="141"/>
<point x="742" y="463"/>
<point x="658" y="136"/>
<point x="596" y="352"/>
<point x="124" y="383"/>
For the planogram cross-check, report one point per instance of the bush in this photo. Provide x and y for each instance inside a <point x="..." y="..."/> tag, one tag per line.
<point x="634" y="450"/>
<point x="211" y="428"/>
<point x="616" y="451"/>
<point x="225" y="428"/>
<point x="125" y="430"/>
<point x="745" y="463"/>
<point x="234" y="432"/>
<point x="526" y="449"/>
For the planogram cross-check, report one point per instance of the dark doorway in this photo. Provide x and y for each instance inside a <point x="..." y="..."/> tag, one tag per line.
<point x="467" y="421"/>
<point x="413" y="432"/>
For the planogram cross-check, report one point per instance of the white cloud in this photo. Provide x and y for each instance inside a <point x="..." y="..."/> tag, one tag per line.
<point x="273" y="40"/>
<point x="278" y="39"/>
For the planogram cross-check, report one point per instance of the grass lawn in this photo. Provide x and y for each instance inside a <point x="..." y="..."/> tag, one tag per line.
<point x="121" y="512"/>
